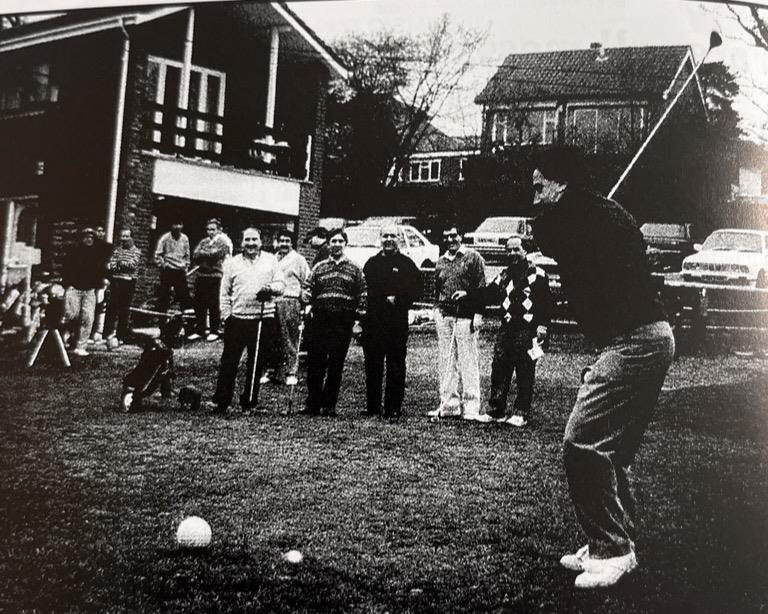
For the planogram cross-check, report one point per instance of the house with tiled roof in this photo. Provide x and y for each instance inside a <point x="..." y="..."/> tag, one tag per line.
<point x="440" y="159"/>
<point x="135" y="117"/>
<point x="601" y="100"/>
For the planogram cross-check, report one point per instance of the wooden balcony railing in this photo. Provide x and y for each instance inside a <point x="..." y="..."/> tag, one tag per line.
<point x="198" y="135"/>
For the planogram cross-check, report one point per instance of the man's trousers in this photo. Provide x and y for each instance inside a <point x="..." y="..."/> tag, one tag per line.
<point x="176" y="280"/>
<point x="331" y="334"/>
<point x="379" y="347"/>
<point x="288" y="311"/>
<point x="79" y="310"/>
<point x="510" y="355"/>
<point x="239" y="334"/>
<point x="613" y="408"/>
<point x="207" y="303"/>
<point x="119" y="307"/>
<point x="458" y="365"/>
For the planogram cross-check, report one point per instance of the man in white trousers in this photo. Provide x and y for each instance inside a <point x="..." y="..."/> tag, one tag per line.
<point x="460" y="271"/>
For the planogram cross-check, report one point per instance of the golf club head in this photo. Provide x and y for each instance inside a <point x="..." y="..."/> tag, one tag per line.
<point x="715" y="40"/>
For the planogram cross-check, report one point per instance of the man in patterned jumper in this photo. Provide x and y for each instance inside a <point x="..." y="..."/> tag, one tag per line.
<point x="123" y="267"/>
<point x="337" y="293"/>
<point x="522" y="290"/>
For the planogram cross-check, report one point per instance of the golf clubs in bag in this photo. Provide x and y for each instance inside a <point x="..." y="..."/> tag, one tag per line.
<point x="155" y="368"/>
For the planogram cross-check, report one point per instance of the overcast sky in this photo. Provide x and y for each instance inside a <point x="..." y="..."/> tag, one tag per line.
<point x="516" y="26"/>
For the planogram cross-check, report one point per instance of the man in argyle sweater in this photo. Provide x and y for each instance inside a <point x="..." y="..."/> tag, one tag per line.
<point x="522" y="290"/>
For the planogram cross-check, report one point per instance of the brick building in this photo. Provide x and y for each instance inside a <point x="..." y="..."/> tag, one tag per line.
<point x="134" y="117"/>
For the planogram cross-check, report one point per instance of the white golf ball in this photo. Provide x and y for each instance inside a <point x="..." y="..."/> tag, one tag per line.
<point x="193" y="532"/>
<point x="293" y="556"/>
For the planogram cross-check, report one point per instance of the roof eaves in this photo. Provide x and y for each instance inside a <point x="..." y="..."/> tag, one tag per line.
<point x="331" y="58"/>
<point x="58" y="30"/>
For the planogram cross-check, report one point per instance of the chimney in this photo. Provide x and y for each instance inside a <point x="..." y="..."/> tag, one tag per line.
<point x="597" y="46"/>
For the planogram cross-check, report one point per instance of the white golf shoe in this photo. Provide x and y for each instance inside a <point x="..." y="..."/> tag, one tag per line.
<point x="575" y="562"/>
<point x="601" y="573"/>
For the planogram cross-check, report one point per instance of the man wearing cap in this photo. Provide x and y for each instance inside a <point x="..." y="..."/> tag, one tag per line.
<point x="172" y="256"/>
<point x="289" y="310"/>
<point x="606" y="279"/>
<point x="209" y="256"/>
<point x="336" y="292"/>
<point x="394" y="283"/>
<point x="249" y="284"/>
<point x="83" y="273"/>
<point x="459" y="272"/>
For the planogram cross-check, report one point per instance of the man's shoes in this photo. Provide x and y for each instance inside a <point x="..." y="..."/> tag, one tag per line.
<point x="369" y="412"/>
<point x="291" y="380"/>
<point x="265" y="379"/>
<point x="217" y="409"/>
<point x="484" y="418"/>
<point x="602" y="573"/>
<point x="308" y="412"/>
<point x="194" y="337"/>
<point x="445" y="412"/>
<point x="81" y="352"/>
<point x="330" y="412"/>
<point x="575" y="561"/>
<point x="517" y="421"/>
<point x="212" y="337"/>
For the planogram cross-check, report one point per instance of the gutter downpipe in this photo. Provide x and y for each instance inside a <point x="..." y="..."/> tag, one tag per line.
<point x="118" y="142"/>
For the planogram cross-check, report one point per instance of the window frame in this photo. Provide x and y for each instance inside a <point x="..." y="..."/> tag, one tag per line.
<point x="422" y="165"/>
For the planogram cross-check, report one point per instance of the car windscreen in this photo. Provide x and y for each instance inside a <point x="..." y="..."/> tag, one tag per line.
<point x="669" y="231"/>
<point x="733" y="241"/>
<point x="364" y="236"/>
<point x="507" y="225"/>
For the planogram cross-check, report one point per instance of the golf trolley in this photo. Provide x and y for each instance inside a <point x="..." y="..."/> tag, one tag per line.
<point x="155" y="369"/>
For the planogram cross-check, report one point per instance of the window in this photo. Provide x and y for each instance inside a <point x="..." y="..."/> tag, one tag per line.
<point x="27" y="85"/>
<point x="425" y="170"/>
<point x="462" y="162"/>
<point x="524" y="126"/>
<point x="414" y="240"/>
<point x="549" y="127"/>
<point x="584" y="129"/>
<point x="206" y="95"/>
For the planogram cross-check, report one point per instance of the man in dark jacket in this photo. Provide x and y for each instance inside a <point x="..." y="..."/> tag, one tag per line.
<point x="606" y="279"/>
<point x="394" y="283"/>
<point x="522" y="291"/>
<point x="83" y="273"/>
<point x="209" y="256"/>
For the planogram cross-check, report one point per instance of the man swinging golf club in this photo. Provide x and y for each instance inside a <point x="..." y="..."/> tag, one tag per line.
<point x="249" y="284"/>
<point x="606" y="279"/>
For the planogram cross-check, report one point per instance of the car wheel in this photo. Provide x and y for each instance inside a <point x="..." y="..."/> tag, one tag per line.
<point x="762" y="280"/>
<point x="427" y="264"/>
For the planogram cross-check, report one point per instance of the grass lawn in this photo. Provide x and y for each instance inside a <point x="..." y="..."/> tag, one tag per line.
<point x="401" y="517"/>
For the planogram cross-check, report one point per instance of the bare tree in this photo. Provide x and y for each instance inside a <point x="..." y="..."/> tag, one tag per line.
<point x="398" y="85"/>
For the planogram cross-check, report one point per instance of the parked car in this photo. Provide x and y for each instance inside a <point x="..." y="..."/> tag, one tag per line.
<point x="667" y="245"/>
<point x="730" y="256"/>
<point x="490" y="237"/>
<point x="365" y="241"/>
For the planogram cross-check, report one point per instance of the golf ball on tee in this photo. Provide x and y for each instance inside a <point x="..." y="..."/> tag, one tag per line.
<point x="293" y="556"/>
<point x="193" y="532"/>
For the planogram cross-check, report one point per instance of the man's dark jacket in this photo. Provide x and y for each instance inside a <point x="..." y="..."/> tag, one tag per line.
<point x="604" y="271"/>
<point x="84" y="267"/>
<point x="390" y="275"/>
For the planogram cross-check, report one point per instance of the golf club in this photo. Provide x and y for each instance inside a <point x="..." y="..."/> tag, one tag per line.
<point x="254" y="369"/>
<point x="714" y="41"/>
<point x="295" y="370"/>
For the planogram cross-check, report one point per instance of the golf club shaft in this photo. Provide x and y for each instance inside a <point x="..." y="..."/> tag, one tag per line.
<point x="254" y="370"/>
<point x="657" y="126"/>
<point x="296" y="364"/>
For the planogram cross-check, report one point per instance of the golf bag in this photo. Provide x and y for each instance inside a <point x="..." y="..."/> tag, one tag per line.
<point x="155" y="368"/>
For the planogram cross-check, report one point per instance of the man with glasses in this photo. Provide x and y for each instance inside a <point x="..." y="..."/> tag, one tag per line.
<point x="459" y="271"/>
<point x="394" y="283"/>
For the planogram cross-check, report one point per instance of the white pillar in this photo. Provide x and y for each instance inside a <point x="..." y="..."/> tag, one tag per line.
<point x="7" y="240"/>
<point x="114" y="174"/>
<point x="274" y="48"/>
<point x="186" y="70"/>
